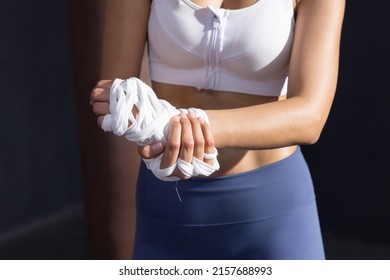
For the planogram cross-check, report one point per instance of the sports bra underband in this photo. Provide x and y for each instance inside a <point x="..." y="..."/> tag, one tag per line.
<point x="244" y="50"/>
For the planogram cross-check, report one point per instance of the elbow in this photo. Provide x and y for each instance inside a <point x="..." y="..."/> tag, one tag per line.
<point x="312" y="129"/>
<point x="312" y="137"/>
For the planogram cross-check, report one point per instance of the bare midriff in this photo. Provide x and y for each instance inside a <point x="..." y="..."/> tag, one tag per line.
<point x="232" y="161"/>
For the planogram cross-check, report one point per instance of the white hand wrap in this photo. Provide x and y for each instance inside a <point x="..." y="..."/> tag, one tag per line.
<point x="151" y="125"/>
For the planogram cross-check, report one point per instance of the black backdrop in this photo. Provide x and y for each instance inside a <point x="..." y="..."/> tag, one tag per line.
<point x="350" y="164"/>
<point x="39" y="152"/>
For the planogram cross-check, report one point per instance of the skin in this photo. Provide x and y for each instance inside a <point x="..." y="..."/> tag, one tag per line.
<point x="270" y="127"/>
<point x="111" y="178"/>
<point x="249" y="131"/>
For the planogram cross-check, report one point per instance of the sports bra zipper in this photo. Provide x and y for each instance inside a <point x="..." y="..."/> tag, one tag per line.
<point x="216" y="45"/>
<point x="216" y="24"/>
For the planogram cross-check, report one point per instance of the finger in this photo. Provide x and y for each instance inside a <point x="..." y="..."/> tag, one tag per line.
<point x="209" y="146"/>
<point x="106" y="84"/>
<point x="151" y="151"/>
<point x="197" y="136"/>
<point x="100" y="121"/>
<point x="99" y="95"/>
<point x="178" y="173"/>
<point x="187" y="139"/>
<point x="101" y="108"/>
<point x="172" y="148"/>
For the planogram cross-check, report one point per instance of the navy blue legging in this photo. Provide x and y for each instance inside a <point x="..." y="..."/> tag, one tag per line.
<point x="267" y="213"/>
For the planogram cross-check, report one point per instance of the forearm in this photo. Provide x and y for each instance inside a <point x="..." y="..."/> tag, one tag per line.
<point x="313" y="72"/>
<point x="266" y="126"/>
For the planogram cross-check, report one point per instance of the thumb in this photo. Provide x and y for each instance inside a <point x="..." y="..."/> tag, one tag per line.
<point x="151" y="151"/>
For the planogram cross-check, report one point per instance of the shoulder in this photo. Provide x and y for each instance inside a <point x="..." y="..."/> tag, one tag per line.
<point x="319" y="2"/>
<point x="333" y="8"/>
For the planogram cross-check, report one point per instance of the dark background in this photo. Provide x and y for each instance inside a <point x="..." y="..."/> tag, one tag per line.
<point x="41" y="190"/>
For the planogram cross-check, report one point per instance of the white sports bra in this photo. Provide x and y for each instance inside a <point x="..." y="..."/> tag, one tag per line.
<point x="243" y="50"/>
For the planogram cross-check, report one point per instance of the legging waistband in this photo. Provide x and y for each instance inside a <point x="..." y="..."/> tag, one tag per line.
<point x="265" y="192"/>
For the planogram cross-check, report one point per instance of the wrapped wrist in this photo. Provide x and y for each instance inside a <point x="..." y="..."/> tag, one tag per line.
<point x="150" y="125"/>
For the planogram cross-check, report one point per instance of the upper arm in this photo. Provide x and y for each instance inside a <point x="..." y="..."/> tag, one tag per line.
<point x="125" y="33"/>
<point x="315" y="55"/>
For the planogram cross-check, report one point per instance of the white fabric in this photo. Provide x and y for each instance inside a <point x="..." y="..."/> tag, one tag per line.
<point x="150" y="125"/>
<point x="243" y="50"/>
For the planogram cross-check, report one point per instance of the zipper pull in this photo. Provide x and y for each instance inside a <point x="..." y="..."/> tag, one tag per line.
<point x="216" y="23"/>
<point x="218" y="13"/>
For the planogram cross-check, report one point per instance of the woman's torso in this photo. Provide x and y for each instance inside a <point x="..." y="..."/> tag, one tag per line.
<point x="232" y="161"/>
